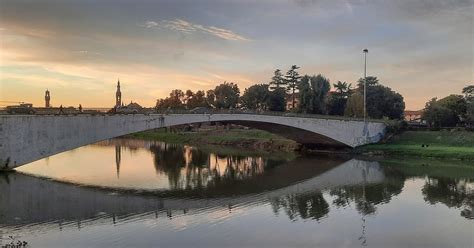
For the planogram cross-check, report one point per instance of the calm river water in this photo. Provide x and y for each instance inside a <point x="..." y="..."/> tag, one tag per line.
<point x="135" y="193"/>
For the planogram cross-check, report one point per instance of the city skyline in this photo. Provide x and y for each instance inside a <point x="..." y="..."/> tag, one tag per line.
<point x="79" y="49"/>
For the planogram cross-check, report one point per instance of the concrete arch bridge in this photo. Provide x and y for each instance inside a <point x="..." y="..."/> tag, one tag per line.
<point x="26" y="138"/>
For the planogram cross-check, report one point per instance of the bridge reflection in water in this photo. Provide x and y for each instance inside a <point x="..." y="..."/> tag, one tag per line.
<point x="201" y="183"/>
<point x="30" y="200"/>
<point x="197" y="181"/>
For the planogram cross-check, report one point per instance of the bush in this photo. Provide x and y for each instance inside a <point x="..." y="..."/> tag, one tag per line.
<point x="394" y="126"/>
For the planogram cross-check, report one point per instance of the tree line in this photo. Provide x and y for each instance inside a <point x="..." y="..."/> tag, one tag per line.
<point x="453" y="110"/>
<point x="293" y="92"/>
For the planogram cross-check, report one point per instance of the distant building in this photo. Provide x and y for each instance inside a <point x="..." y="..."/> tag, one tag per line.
<point x="47" y="97"/>
<point x="413" y="116"/>
<point x="118" y="96"/>
<point x="131" y="108"/>
<point x="134" y="105"/>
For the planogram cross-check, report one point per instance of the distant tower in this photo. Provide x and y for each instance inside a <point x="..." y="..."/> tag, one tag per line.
<point x="118" y="96"/>
<point x="47" y="97"/>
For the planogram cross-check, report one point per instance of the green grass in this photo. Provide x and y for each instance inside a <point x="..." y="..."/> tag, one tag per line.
<point x="441" y="144"/>
<point x="233" y="151"/>
<point x="440" y="138"/>
<point x="233" y="137"/>
<point x="161" y="135"/>
<point x="212" y="135"/>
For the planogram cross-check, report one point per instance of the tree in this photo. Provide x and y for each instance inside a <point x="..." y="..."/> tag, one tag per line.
<point x="160" y="104"/>
<point x="338" y="99"/>
<point x="342" y="88"/>
<point x="371" y="81"/>
<point x="451" y="110"/>
<point x="468" y="92"/>
<point x="391" y="104"/>
<point x="355" y="105"/>
<point x="313" y="91"/>
<point x="470" y="113"/>
<point x="256" y="97"/>
<point x="176" y="98"/>
<point x="305" y="95"/>
<point x="437" y="115"/>
<point x="276" y="100"/>
<point x="188" y="96"/>
<point x="455" y="103"/>
<point x="211" y="98"/>
<point x="320" y="87"/>
<point x="227" y="95"/>
<point x="174" y="101"/>
<point x="292" y="78"/>
<point x="277" y="80"/>
<point x="198" y="99"/>
<point x="381" y="100"/>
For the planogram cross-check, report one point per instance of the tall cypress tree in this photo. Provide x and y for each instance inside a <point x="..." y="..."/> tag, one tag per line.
<point x="292" y="78"/>
<point x="320" y="87"/>
<point x="277" y="80"/>
<point x="305" y="95"/>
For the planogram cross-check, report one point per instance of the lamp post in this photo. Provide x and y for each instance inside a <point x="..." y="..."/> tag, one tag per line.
<point x="365" y="82"/>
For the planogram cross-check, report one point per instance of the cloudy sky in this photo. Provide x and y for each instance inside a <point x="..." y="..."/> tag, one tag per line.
<point x="78" y="49"/>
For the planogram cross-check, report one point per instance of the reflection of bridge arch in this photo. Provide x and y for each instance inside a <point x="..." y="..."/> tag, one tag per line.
<point x="55" y="201"/>
<point x="29" y="138"/>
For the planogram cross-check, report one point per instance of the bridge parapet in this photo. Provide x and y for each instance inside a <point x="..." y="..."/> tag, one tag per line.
<point x="148" y="111"/>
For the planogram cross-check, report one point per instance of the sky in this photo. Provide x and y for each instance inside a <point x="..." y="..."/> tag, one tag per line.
<point x="79" y="49"/>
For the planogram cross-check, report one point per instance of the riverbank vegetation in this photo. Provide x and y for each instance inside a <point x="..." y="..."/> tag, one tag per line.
<point x="445" y="144"/>
<point x="453" y="110"/>
<point x="449" y="144"/>
<point x="251" y="139"/>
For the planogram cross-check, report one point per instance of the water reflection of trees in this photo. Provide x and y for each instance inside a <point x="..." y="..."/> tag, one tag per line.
<point x="454" y="193"/>
<point x="367" y="197"/>
<point x="307" y="206"/>
<point x="189" y="168"/>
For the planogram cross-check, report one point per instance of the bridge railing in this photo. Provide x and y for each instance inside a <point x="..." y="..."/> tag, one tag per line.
<point x="147" y="111"/>
<point x="270" y="113"/>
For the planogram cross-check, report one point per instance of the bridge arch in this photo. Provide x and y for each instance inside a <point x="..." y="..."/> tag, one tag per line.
<point x="300" y="135"/>
<point x="28" y="138"/>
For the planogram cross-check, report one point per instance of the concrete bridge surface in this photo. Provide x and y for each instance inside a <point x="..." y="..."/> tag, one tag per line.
<point x="26" y="138"/>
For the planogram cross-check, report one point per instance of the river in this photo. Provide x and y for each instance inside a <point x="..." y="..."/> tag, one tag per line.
<point x="136" y="193"/>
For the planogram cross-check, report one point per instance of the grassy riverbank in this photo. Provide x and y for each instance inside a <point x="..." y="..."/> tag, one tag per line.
<point x="240" y="138"/>
<point x="434" y="144"/>
<point x="423" y="144"/>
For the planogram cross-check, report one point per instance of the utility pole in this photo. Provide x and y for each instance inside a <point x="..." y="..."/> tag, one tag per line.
<point x="365" y="82"/>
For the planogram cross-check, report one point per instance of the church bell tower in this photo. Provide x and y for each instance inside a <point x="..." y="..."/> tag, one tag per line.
<point x="47" y="97"/>
<point x="118" y="95"/>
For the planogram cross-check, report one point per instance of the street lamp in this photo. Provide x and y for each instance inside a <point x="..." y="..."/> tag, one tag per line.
<point x="365" y="82"/>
